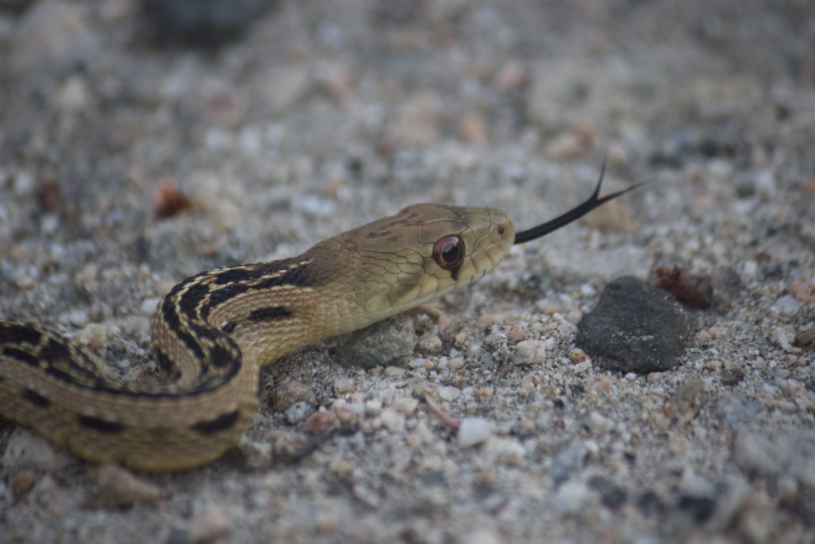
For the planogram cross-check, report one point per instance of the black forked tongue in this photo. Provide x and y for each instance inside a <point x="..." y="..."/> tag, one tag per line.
<point x="573" y="214"/>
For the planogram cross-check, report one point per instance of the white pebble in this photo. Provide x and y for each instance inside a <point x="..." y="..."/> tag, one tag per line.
<point x="416" y="363"/>
<point x="148" y="306"/>
<point x="529" y="352"/>
<point x="393" y="421"/>
<point x="472" y="431"/>
<point x="455" y="363"/>
<point x="373" y="408"/>
<point x="449" y="392"/>
<point x="208" y="525"/>
<point x="406" y="405"/>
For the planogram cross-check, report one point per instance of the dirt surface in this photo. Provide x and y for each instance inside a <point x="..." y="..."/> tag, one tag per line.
<point x="128" y="163"/>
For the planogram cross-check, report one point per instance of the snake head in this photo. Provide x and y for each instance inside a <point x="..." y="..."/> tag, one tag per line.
<point x="426" y="250"/>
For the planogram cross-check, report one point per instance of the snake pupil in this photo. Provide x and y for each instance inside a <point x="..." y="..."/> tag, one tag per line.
<point x="448" y="252"/>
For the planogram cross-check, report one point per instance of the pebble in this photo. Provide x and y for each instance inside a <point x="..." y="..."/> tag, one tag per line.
<point x="570" y="498"/>
<point x="93" y="335"/>
<point x="298" y="412"/>
<point x="319" y="422"/>
<point x="598" y="424"/>
<point x="529" y="352"/>
<point x="406" y="405"/>
<point x="387" y="343"/>
<point x="417" y="363"/>
<point x="486" y="320"/>
<point x="28" y="450"/>
<point x="448" y="392"/>
<point x="344" y="385"/>
<point x="455" y="363"/>
<point x="148" y="306"/>
<point x="788" y="305"/>
<point x="373" y="408"/>
<point x="22" y="482"/>
<point x="507" y="451"/>
<point x="428" y="343"/>
<point x="516" y="333"/>
<point x="289" y="393"/>
<point x="76" y="317"/>
<point x="472" y="431"/>
<point x="256" y="455"/>
<point x="581" y="368"/>
<point x="634" y="329"/>
<point x="392" y="420"/>
<point x="577" y="355"/>
<point x="344" y="414"/>
<point x="801" y="291"/>
<point x="52" y="36"/>
<point x="119" y="488"/>
<point x="207" y="525"/>
<point x="395" y="372"/>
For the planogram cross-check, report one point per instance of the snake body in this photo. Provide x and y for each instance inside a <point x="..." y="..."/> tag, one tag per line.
<point x="213" y="331"/>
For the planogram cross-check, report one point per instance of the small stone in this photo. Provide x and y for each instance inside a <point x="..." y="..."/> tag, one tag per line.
<point x="528" y="384"/>
<point x="634" y="329"/>
<point x="598" y="384"/>
<point x="406" y="405"/>
<point x="598" y="424"/>
<point x="389" y="342"/>
<point x="119" y="488"/>
<point x="577" y="355"/>
<point x="76" y="317"/>
<point x="574" y="317"/>
<point x="570" y="498"/>
<point x="801" y="291"/>
<point x="298" y="412"/>
<point x="483" y="536"/>
<point x="428" y="343"/>
<point x="373" y="408"/>
<point x="472" y="431"/>
<point x="448" y="392"/>
<point x="256" y="455"/>
<point x="27" y="450"/>
<point x="395" y="372"/>
<point x="486" y="320"/>
<point x="417" y="363"/>
<point x="207" y="525"/>
<point x="344" y="385"/>
<point x="327" y="523"/>
<point x="366" y="495"/>
<point x="582" y="368"/>
<point x="289" y="393"/>
<point x="529" y="352"/>
<point x="702" y="338"/>
<point x="148" y="306"/>
<point x="344" y="414"/>
<point x="455" y="363"/>
<point x="52" y="36"/>
<point x="511" y="76"/>
<point x="319" y="422"/>
<point x="393" y="421"/>
<point x="788" y="305"/>
<point x="516" y="333"/>
<point x="22" y="482"/>
<point x="93" y="335"/>
<point x="484" y="393"/>
<point x="504" y="450"/>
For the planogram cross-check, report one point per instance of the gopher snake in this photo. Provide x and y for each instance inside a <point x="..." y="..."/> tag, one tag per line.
<point x="213" y="332"/>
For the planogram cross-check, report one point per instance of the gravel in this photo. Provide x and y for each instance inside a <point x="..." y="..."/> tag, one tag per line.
<point x="127" y="164"/>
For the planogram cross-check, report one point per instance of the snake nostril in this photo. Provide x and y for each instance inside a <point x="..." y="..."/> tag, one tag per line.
<point x="501" y="230"/>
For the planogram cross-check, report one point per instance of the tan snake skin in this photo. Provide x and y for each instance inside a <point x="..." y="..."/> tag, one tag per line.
<point x="213" y="332"/>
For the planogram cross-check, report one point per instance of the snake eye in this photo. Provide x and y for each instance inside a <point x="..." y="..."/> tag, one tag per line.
<point x="448" y="252"/>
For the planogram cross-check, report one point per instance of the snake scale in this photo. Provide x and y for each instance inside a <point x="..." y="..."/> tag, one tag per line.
<point x="213" y="332"/>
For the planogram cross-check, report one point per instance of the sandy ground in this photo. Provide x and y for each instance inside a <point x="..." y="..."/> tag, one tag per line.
<point x="325" y="116"/>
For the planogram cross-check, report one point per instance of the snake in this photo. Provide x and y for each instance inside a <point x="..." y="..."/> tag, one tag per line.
<point x="212" y="333"/>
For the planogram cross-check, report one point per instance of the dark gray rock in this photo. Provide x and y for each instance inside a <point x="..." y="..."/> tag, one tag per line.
<point x="387" y="343"/>
<point x="635" y="328"/>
